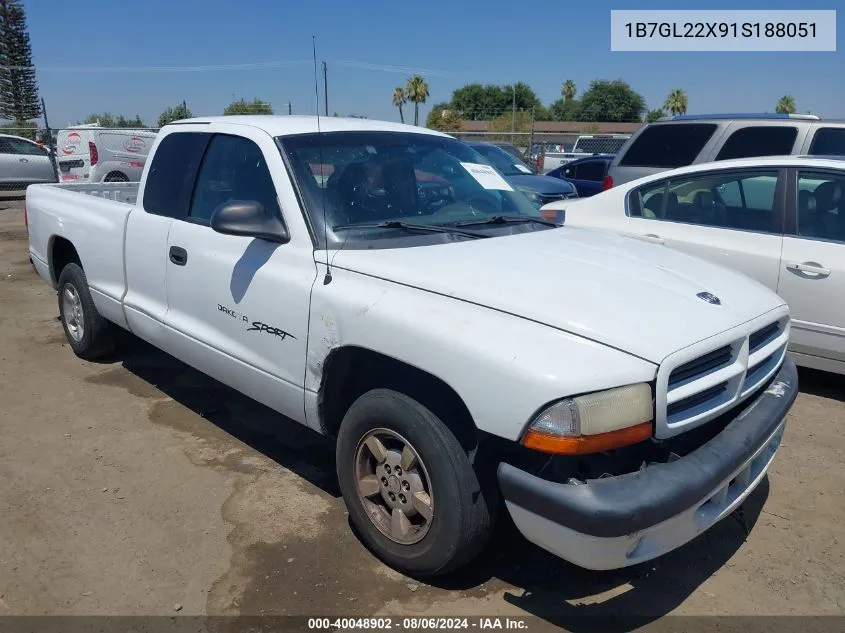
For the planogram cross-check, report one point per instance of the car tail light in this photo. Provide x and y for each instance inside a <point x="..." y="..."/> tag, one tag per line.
<point x="607" y="183"/>
<point x="92" y="150"/>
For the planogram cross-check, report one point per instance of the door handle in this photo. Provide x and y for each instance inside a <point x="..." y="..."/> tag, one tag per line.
<point x="651" y="237"/>
<point x="178" y="255"/>
<point x="809" y="268"/>
<point x="23" y="160"/>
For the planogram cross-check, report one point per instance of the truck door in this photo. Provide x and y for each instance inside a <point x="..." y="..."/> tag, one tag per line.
<point x="238" y="306"/>
<point x="165" y="195"/>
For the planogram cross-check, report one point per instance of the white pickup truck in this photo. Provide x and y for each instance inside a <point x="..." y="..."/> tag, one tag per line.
<point x="381" y="284"/>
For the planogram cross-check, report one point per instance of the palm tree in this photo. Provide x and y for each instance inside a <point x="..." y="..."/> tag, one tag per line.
<point x="399" y="99"/>
<point x="567" y="90"/>
<point x="786" y="105"/>
<point x="417" y="91"/>
<point x="677" y="102"/>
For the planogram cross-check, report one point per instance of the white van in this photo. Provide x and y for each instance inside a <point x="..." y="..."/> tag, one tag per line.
<point x="91" y="153"/>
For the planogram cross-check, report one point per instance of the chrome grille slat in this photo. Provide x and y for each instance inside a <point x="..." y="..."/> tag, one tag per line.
<point x="762" y="336"/>
<point x="702" y="365"/>
<point x="693" y="401"/>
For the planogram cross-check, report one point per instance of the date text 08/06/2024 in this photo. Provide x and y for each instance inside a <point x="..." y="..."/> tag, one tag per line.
<point x="721" y="29"/>
<point x="418" y="623"/>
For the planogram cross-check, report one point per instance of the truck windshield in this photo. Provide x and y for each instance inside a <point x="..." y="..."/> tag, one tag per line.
<point x="382" y="180"/>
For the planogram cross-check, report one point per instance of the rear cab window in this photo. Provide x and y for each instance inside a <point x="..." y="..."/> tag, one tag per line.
<point x="668" y="145"/>
<point x="828" y="141"/>
<point x="170" y="181"/>
<point x="759" y="140"/>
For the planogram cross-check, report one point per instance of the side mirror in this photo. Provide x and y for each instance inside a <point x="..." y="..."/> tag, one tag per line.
<point x="247" y="218"/>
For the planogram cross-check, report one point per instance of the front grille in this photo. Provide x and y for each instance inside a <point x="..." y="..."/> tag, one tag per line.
<point x="705" y="383"/>
<point x="702" y="365"/>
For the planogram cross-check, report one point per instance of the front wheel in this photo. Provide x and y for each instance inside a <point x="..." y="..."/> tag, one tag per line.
<point x="409" y="486"/>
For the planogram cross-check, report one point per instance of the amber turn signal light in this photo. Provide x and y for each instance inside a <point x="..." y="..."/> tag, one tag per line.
<point x="584" y="444"/>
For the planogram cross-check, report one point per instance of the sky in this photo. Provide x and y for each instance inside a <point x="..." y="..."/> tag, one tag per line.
<point x="109" y="55"/>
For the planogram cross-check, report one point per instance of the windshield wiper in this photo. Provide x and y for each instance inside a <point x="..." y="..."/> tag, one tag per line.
<point x="507" y="219"/>
<point x="396" y="224"/>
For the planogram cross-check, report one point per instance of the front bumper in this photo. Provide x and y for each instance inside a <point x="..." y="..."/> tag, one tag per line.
<point x="620" y="521"/>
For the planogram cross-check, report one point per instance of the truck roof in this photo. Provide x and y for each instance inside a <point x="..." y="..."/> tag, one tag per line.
<point x="281" y="125"/>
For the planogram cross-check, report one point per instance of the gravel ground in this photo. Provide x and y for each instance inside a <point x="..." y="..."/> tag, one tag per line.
<point x="141" y="487"/>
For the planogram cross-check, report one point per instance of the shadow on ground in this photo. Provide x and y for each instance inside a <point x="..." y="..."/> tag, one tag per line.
<point x="821" y="383"/>
<point x="527" y="577"/>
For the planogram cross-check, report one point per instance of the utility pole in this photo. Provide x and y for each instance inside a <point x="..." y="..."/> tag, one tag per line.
<point x="326" y="87"/>
<point x="290" y="111"/>
<point x="513" y="112"/>
<point x="49" y="134"/>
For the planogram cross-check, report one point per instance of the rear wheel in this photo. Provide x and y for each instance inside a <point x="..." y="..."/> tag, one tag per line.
<point x="410" y="488"/>
<point x="89" y="335"/>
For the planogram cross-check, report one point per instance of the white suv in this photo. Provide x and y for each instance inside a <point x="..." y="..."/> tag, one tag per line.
<point x="690" y="139"/>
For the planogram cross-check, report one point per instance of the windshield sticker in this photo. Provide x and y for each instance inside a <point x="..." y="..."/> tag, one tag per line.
<point x="486" y="176"/>
<point x="523" y="169"/>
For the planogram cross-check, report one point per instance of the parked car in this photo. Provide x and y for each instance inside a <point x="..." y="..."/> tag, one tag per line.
<point x="538" y="189"/>
<point x="22" y="163"/>
<point x="586" y="174"/>
<point x="779" y="220"/>
<point x="692" y="139"/>
<point x="457" y="347"/>
<point x="550" y="156"/>
<point x="90" y="153"/>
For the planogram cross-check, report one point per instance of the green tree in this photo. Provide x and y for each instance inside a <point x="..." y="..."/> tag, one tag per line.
<point x="568" y="90"/>
<point x="26" y="129"/>
<point x="417" y="91"/>
<point x="565" y="110"/>
<point x="175" y="113"/>
<point x="399" y="100"/>
<point x="476" y="102"/>
<point x="611" y="101"/>
<point x="676" y="102"/>
<point x="652" y="115"/>
<point x="107" y="119"/>
<point x="18" y="88"/>
<point x="786" y="105"/>
<point x="256" y="106"/>
<point x="445" y="118"/>
<point x="522" y="123"/>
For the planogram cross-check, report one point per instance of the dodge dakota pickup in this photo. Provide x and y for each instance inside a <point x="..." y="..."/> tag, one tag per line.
<point x="384" y="285"/>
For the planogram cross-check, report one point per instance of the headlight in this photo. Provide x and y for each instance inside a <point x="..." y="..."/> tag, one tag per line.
<point x="593" y="422"/>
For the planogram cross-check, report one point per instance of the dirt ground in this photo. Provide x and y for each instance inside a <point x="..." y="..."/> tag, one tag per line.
<point x="143" y="487"/>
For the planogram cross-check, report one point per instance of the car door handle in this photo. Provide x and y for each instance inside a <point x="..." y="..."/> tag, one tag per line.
<point x="178" y="255"/>
<point x="23" y="160"/>
<point x="651" y="237"/>
<point x="809" y="268"/>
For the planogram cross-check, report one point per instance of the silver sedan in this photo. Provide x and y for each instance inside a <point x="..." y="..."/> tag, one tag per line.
<point x="22" y="163"/>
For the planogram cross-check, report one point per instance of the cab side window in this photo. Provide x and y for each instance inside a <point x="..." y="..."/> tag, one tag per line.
<point x="233" y="169"/>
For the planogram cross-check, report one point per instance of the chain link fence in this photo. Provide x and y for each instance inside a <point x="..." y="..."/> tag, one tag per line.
<point x="76" y="154"/>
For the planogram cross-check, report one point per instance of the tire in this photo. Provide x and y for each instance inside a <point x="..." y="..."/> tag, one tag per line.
<point x="116" y="177"/>
<point x="96" y="337"/>
<point x="461" y="520"/>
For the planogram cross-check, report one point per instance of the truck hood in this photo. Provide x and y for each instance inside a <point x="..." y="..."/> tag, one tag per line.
<point x="637" y="297"/>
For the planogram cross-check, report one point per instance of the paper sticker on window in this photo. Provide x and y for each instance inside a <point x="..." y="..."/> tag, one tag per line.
<point x="523" y="169"/>
<point x="486" y="176"/>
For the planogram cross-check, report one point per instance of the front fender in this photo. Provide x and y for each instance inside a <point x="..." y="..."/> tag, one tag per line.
<point x="504" y="367"/>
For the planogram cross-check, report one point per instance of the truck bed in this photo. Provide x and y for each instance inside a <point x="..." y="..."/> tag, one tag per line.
<point x="91" y="217"/>
<point x="118" y="191"/>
